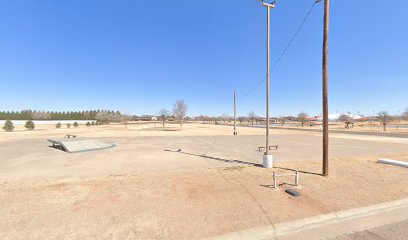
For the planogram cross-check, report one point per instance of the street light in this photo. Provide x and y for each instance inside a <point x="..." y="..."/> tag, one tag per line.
<point x="267" y="158"/>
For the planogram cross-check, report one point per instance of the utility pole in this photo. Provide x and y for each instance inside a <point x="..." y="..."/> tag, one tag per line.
<point x="325" y="68"/>
<point x="235" y="115"/>
<point x="267" y="159"/>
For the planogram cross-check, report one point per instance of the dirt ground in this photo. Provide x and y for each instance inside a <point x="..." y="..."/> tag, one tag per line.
<point x="146" y="188"/>
<point x="376" y="127"/>
<point x="130" y="130"/>
<point x="144" y="148"/>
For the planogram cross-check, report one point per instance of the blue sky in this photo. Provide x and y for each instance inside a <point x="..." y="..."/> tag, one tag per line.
<point x="140" y="56"/>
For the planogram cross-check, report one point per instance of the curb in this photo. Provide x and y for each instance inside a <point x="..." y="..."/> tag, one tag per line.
<point x="286" y="229"/>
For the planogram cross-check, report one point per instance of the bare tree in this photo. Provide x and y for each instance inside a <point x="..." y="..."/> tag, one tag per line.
<point x="125" y="118"/>
<point x="106" y="117"/>
<point x="252" y="116"/>
<point x="346" y="119"/>
<point x="282" y="120"/>
<point x="302" y="117"/>
<point x="163" y="115"/>
<point x="41" y="115"/>
<point x="206" y="119"/>
<point x="179" y="111"/>
<point x="241" y="119"/>
<point x="397" y="120"/>
<point x="405" y="114"/>
<point x="225" y="117"/>
<point x="217" y="119"/>
<point x="102" y="117"/>
<point x="384" y="118"/>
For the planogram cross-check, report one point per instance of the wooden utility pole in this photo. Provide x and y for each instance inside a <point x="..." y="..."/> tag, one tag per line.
<point x="325" y="88"/>
<point x="235" y="115"/>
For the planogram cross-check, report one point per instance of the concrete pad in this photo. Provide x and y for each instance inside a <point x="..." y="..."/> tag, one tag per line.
<point x="31" y="158"/>
<point x="75" y="145"/>
<point x="393" y="162"/>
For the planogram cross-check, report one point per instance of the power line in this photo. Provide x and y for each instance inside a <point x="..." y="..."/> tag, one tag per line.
<point x="283" y="52"/>
<point x="252" y="89"/>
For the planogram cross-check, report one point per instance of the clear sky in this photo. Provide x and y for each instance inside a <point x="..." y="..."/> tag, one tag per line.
<point x="140" y="56"/>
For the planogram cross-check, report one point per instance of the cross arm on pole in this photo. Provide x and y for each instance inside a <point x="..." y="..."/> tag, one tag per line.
<point x="270" y="5"/>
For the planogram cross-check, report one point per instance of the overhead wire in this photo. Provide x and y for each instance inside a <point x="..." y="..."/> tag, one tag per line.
<point x="283" y="52"/>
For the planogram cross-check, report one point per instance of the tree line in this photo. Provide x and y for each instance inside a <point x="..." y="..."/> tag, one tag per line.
<point x="178" y="113"/>
<point x="57" y="115"/>
<point x="383" y="117"/>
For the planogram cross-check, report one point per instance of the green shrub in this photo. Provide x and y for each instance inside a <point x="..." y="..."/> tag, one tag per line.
<point x="29" y="125"/>
<point x="58" y="125"/>
<point x="68" y="125"/>
<point x="8" y="126"/>
<point x="88" y="124"/>
<point x="76" y="124"/>
<point x="92" y="123"/>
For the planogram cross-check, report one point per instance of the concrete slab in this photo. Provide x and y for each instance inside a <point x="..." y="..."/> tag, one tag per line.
<point x="393" y="162"/>
<point x="76" y="145"/>
<point x="160" y="153"/>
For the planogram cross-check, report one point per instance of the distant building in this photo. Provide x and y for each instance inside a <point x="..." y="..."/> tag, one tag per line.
<point x="335" y="117"/>
<point x="314" y="119"/>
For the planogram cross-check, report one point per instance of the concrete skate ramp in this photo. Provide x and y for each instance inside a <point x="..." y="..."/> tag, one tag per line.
<point x="75" y="145"/>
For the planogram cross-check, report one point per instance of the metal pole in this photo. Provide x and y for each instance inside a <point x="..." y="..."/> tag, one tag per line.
<point x="235" y="115"/>
<point x="325" y="88"/>
<point x="274" y="180"/>
<point x="297" y="178"/>
<point x="267" y="158"/>
<point x="269" y="79"/>
<point x="268" y="70"/>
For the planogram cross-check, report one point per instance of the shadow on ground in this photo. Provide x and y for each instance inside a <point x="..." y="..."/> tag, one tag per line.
<point x="58" y="148"/>
<point x="215" y="158"/>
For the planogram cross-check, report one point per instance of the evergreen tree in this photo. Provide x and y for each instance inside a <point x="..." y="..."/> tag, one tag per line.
<point x="58" y="125"/>
<point x="25" y="115"/>
<point x="29" y="125"/>
<point x="88" y="124"/>
<point x="68" y="125"/>
<point x="76" y="124"/>
<point x="3" y="115"/>
<point x="8" y="126"/>
<point x="45" y="115"/>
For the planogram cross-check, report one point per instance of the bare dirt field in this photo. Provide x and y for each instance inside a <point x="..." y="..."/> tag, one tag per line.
<point x="193" y="183"/>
